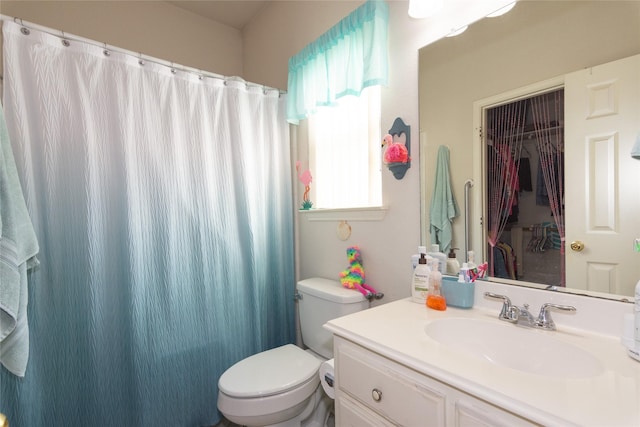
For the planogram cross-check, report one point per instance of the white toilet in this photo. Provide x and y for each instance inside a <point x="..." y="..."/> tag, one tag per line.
<point x="281" y="387"/>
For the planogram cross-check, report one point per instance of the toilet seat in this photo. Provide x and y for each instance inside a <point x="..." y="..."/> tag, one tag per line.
<point x="269" y="373"/>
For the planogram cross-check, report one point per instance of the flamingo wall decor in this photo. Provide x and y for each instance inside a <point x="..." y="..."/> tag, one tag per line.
<point x="305" y="178"/>
<point x="397" y="148"/>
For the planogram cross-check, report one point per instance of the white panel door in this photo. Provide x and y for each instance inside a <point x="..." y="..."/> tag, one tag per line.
<point x="602" y="200"/>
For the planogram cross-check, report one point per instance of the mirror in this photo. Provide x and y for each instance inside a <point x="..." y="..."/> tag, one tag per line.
<point x="533" y="43"/>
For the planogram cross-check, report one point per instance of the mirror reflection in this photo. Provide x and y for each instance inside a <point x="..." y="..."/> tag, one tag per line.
<point x="523" y="144"/>
<point x="540" y="49"/>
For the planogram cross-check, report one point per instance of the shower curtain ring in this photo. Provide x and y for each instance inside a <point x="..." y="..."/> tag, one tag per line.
<point x="24" y="30"/>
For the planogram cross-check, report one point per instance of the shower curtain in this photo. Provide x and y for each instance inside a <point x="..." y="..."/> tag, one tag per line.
<point x="162" y="203"/>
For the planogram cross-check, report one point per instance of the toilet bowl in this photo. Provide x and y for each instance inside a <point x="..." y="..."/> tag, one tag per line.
<point x="281" y="387"/>
<point x="272" y="388"/>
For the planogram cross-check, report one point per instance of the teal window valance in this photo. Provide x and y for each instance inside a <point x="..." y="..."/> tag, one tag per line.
<point x="349" y="57"/>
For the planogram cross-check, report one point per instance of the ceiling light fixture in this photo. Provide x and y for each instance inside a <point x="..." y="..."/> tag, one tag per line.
<point x="502" y="10"/>
<point x="424" y="8"/>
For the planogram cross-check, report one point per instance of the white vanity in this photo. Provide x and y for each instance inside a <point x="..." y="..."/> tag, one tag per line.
<point x="404" y="364"/>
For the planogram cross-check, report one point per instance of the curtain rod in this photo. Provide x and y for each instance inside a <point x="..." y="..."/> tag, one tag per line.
<point x="169" y="64"/>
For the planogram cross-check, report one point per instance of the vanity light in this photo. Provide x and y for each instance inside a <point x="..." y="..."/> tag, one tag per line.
<point x="456" y="32"/>
<point x="424" y="8"/>
<point x="502" y="10"/>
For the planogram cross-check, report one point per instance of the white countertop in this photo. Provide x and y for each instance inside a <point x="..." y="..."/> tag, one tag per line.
<point x="397" y="331"/>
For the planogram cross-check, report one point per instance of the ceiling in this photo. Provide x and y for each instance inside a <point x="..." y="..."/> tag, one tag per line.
<point x="234" y="13"/>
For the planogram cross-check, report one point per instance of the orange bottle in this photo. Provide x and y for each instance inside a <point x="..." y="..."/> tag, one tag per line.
<point x="435" y="300"/>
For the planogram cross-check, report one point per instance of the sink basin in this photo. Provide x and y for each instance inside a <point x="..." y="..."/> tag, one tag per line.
<point x="507" y="345"/>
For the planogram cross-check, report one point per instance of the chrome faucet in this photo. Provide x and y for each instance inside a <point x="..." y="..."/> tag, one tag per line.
<point x="522" y="316"/>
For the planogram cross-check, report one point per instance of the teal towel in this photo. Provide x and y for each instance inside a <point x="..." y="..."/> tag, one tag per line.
<point x="18" y="247"/>
<point x="443" y="204"/>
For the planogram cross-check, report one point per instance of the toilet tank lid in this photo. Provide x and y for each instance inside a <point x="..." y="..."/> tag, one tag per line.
<point x="330" y="290"/>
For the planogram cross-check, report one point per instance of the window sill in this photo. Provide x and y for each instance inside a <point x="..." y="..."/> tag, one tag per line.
<point x="376" y="213"/>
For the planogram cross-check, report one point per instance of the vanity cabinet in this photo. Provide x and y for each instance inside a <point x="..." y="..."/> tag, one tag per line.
<point x="373" y="390"/>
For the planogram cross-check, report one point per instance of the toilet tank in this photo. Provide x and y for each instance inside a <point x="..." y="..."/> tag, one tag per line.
<point x="322" y="300"/>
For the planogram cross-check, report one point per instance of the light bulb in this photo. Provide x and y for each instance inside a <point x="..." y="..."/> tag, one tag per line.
<point x="424" y="8"/>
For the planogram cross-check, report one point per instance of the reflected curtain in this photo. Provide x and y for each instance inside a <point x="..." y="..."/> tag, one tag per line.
<point x="550" y="144"/>
<point x="505" y="133"/>
<point x="163" y="207"/>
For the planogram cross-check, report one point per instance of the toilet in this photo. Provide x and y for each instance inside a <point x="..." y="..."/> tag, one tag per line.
<point x="281" y="387"/>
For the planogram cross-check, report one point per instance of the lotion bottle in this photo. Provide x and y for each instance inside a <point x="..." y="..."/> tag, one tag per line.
<point x="416" y="257"/>
<point x="435" y="300"/>
<point x="420" y="282"/>
<point x="453" y="266"/>
<point x="442" y="258"/>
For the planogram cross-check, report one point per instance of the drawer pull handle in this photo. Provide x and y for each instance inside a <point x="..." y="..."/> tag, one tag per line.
<point x="376" y="394"/>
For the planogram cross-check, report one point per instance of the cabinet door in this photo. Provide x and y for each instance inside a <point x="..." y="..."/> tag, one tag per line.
<point x="352" y="414"/>
<point x="471" y="412"/>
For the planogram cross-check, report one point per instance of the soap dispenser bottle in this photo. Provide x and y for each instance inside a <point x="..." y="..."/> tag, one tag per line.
<point x="453" y="266"/>
<point x="442" y="258"/>
<point x="420" y="282"/>
<point x="435" y="300"/>
<point x="416" y="257"/>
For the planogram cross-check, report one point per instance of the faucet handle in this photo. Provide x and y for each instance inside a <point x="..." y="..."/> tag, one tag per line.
<point x="544" y="318"/>
<point x="507" y="312"/>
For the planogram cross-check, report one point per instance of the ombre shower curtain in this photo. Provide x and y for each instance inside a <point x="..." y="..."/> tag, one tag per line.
<point x="162" y="204"/>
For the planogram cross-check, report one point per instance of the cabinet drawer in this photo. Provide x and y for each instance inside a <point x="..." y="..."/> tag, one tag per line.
<point x="392" y="390"/>
<point x="351" y="414"/>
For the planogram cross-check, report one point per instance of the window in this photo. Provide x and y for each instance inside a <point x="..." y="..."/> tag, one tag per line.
<point x="334" y="83"/>
<point x="345" y="152"/>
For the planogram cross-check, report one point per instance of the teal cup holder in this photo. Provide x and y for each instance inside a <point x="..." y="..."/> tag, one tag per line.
<point x="456" y="293"/>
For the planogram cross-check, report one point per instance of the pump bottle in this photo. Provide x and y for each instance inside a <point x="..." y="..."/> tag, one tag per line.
<point x="442" y="258"/>
<point x="435" y="300"/>
<point x="453" y="266"/>
<point x="420" y="282"/>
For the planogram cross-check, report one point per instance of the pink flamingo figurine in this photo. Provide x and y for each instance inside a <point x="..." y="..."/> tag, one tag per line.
<point x="305" y="178"/>
<point x="395" y="152"/>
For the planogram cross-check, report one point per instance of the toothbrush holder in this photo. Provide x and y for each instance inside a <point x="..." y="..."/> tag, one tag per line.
<point x="457" y="294"/>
